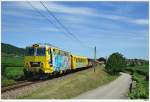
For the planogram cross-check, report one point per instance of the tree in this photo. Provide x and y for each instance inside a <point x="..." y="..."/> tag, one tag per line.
<point x="115" y="63"/>
<point x="102" y="59"/>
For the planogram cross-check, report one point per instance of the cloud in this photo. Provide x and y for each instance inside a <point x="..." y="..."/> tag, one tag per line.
<point x="14" y="28"/>
<point x="141" y="21"/>
<point x="84" y="11"/>
<point x="21" y="14"/>
<point x="55" y="7"/>
<point x="81" y="12"/>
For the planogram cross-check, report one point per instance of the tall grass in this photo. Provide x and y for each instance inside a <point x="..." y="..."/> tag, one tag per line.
<point x="12" y="69"/>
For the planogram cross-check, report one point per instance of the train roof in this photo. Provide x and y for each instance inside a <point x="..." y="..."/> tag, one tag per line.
<point x="52" y="46"/>
<point x="78" y="56"/>
<point x="43" y="45"/>
<point x="47" y="45"/>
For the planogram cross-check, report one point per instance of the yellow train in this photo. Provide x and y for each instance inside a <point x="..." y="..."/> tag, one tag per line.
<point x="47" y="59"/>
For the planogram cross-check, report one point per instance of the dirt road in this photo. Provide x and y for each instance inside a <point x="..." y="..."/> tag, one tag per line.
<point x="115" y="90"/>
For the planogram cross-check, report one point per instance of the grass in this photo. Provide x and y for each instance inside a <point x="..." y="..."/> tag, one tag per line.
<point x="142" y="69"/>
<point x="7" y="82"/>
<point x="14" y="72"/>
<point x="72" y="85"/>
<point x="12" y="69"/>
<point x="12" y="61"/>
<point x="141" y="91"/>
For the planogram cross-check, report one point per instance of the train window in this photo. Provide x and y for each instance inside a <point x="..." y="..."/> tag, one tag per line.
<point x="41" y="51"/>
<point x="30" y="51"/>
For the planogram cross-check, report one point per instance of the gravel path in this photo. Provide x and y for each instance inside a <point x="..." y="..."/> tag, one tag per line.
<point x="115" y="90"/>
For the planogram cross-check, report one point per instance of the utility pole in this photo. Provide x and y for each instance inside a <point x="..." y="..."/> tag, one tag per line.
<point x="94" y="58"/>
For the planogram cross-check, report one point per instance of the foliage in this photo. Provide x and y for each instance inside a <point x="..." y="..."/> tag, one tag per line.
<point x="141" y="89"/>
<point x="102" y="59"/>
<point x="140" y="75"/>
<point x="10" y="49"/>
<point x="143" y="69"/>
<point x="115" y="63"/>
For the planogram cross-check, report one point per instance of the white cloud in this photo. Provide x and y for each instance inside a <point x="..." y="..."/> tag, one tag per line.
<point x="141" y="21"/>
<point x="21" y="14"/>
<point x="14" y="28"/>
<point x="92" y="12"/>
<point x="55" y="7"/>
<point x="81" y="12"/>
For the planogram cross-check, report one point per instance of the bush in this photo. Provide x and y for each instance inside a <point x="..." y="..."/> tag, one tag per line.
<point x="141" y="90"/>
<point x="115" y="63"/>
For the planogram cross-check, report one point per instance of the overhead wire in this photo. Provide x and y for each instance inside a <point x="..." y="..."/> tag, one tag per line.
<point x="62" y="25"/>
<point x="72" y="36"/>
<point x="45" y="17"/>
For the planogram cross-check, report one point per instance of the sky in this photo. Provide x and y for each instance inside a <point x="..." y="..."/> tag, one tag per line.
<point x="110" y="26"/>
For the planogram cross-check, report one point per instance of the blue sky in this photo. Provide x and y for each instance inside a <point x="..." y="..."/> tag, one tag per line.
<point x="110" y="26"/>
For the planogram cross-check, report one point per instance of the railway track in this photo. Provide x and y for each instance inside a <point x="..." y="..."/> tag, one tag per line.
<point x="26" y="83"/>
<point x="17" y="86"/>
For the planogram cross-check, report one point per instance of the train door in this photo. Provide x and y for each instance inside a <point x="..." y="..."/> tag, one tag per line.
<point x="51" y="57"/>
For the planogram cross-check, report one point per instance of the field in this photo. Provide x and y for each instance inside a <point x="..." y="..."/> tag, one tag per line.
<point x="140" y="74"/>
<point x="12" y="69"/>
<point x="69" y="86"/>
<point x="143" y="69"/>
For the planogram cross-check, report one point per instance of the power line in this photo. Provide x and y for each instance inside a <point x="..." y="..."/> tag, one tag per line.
<point x="64" y="27"/>
<point x="45" y="17"/>
<point x="54" y="24"/>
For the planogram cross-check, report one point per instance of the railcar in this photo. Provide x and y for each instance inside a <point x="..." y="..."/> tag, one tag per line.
<point x="78" y="61"/>
<point x="47" y="59"/>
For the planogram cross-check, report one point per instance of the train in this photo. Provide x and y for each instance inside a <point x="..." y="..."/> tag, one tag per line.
<point x="46" y="59"/>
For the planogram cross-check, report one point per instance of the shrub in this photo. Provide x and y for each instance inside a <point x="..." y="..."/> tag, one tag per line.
<point x="115" y="63"/>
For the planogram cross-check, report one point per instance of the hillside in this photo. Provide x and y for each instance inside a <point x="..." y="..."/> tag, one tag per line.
<point x="7" y="49"/>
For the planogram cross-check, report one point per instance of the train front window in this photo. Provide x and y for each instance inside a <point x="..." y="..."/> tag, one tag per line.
<point x="41" y="51"/>
<point x="29" y="51"/>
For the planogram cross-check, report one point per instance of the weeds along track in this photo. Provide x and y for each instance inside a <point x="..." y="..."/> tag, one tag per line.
<point x="19" y="85"/>
<point x="22" y="84"/>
